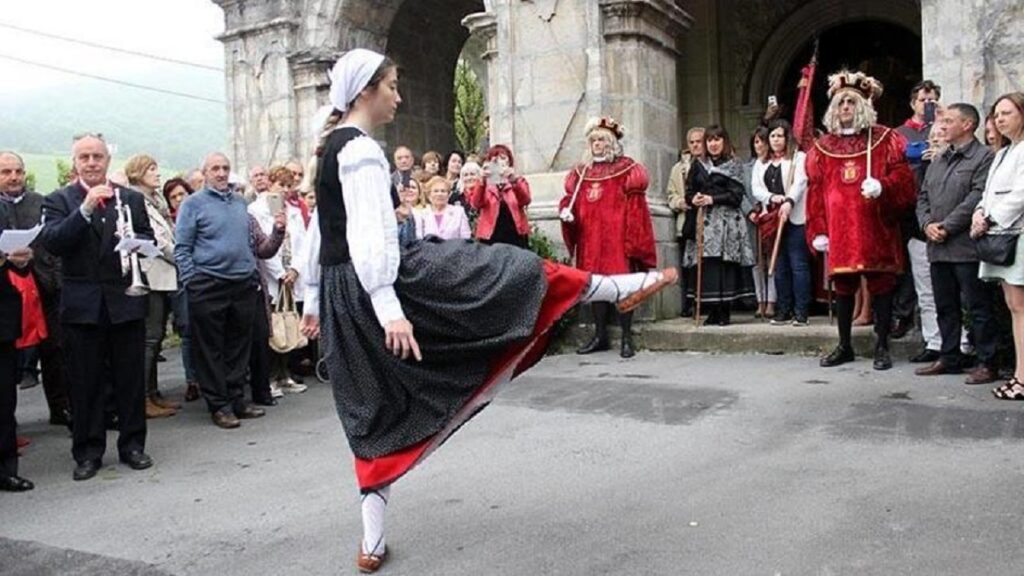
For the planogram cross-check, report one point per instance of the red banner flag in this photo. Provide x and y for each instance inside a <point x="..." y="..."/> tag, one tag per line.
<point x="803" y="115"/>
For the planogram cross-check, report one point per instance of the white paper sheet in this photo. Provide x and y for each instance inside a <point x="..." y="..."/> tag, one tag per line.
<point x="12" y="240"/>
<point x="144" y="247"/>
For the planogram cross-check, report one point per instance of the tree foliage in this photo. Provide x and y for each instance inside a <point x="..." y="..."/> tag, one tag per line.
<point x="63" y="172"/>
<point x="470" y="110"/>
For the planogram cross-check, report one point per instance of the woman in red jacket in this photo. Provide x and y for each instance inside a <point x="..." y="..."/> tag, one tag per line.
<point x="501" y="199"/>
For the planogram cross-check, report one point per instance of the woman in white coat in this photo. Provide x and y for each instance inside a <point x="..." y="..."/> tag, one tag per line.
<point x="279" y="271"/>
<point x="781" y="179"/>
<point x="1001" y="211"/>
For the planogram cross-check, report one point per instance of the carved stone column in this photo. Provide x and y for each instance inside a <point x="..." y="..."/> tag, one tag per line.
<point x="641" y="49"/>
<point x="311" y="89"/>
<point x="261" y="112"/>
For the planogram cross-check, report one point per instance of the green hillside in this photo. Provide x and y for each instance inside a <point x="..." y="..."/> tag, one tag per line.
<point x="44" y="167"/>
<point x="176" y="131"/>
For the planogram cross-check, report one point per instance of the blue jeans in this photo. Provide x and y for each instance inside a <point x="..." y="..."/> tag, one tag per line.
<point x="179" y="306"/>
<point x="793" y="272"/>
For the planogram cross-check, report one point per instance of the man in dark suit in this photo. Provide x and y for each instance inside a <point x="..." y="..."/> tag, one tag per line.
<point x="10" y="331"/>
<point x="102" y="326"/>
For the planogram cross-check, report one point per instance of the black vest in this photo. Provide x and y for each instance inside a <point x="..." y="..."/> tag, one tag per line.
<point x="330" y="203"/>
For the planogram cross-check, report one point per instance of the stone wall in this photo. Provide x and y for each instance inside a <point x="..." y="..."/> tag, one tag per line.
<point x="974" y="49"/>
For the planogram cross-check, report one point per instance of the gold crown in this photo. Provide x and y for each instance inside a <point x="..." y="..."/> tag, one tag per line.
<point x="866" y="86"/>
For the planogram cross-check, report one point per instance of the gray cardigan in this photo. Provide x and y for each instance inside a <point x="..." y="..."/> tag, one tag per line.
<point x="950" y="192"/>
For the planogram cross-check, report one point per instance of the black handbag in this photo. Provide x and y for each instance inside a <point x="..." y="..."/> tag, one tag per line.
<point x="998" y="249"/>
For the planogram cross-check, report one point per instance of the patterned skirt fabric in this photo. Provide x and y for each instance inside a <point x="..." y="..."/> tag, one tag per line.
<point x="469" y="305"/>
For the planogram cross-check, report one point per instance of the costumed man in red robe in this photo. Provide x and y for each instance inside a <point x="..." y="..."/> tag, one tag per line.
<point x="860" y="185"/>
<point x="606" y="223"/>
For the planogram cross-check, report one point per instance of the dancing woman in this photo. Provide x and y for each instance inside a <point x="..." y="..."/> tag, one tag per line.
<point x="417" y="339"/>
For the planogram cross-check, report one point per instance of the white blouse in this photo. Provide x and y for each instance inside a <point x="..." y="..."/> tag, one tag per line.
<point x="1003" y="199"/>
<point x="372" y="230"/>
<point x="797" y="191"/>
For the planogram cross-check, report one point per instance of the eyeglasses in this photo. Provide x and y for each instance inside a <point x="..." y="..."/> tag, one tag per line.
<point x="83" y="135"/>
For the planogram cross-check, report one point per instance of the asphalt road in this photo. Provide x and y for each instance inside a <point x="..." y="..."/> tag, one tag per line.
<point x="666" y="464"/>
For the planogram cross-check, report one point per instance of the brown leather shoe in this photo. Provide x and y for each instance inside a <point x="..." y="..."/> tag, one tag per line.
<point x="225" y="419"/>
<point x="669" y="276"/>
<point x="937" y="368"/>
<point x="163" y="402"/>
<point x="154" y="410"/>
<point x="370" y="563"/>
<point x="982" y="375"/>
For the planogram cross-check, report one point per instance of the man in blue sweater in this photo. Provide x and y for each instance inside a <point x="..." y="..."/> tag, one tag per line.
<point x="218" y="268"/>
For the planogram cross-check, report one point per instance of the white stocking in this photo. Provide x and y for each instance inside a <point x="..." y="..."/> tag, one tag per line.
<point x="374" y="505"/>
<point x="618" y="287"/>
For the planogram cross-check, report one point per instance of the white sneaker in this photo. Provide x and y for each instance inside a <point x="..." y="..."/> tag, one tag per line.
<point x="275" y="390"/>
<point x="290" y="386"/>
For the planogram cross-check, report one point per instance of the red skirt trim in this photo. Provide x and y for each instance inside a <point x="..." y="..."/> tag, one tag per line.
<point x="565" y="286"/>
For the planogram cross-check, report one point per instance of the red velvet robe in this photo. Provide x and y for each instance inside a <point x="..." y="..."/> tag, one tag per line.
<point x="864" y="234"/>
<point x="612" y="232"/>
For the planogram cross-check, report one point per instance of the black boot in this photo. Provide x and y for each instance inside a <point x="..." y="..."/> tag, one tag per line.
<point x="600" y="340"/>
<point x="843" y="353"/>
<point x="712" y="318"/>
<point x="882" y="305"/>
<point x="724" y="314"/>
<point x="626" y="323"/>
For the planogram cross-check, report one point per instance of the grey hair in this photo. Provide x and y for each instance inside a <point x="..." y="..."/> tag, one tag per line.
<point x="15" y="154"/>
<point x="615" y="149"/>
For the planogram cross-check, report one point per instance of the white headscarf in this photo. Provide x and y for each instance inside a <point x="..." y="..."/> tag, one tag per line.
<point x="350" y="75"/>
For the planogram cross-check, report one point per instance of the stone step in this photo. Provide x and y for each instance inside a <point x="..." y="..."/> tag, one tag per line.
<point x="750" y="336"/>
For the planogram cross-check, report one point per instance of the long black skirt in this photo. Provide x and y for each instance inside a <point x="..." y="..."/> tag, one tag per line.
<point x="467" y="304"/>
<point x="722" y="281"/>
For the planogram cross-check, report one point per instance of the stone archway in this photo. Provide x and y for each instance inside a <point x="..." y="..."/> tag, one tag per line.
<point x="425" y="38"/>
<point x="791" y="36"/>
<point x="889" y="52"/>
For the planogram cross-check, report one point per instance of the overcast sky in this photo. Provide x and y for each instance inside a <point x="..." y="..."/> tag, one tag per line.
<point x="180" y="29"/>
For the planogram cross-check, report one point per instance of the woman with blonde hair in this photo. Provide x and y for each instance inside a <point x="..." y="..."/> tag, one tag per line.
<point x="440" y="218"/>
<point x="143" y="174"/>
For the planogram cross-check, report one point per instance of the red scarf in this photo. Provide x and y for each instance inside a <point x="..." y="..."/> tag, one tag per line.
<point x="914" y="124"/>
<point x="33" y="321"/>
<point x="294" y="200"/>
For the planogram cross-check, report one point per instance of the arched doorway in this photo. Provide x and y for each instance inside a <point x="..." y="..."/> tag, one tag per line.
<point x="426" y="38"/>
<point x="889" y="52"/>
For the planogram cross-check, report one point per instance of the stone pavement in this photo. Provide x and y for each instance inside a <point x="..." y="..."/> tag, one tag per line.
<point x="666" y="464"/>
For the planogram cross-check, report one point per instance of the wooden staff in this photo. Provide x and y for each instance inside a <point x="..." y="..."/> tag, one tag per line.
<point x="782" y="221"/>
<point x="775" y="247"/>
<point x="763" y="302"/>
<point x="828" y="287"/>
<point x="700" y="264"/>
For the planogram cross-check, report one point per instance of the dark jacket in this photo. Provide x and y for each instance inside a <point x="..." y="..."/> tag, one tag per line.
<point x="91" y="269"/>
<point x="25" y="214"/>
<point x="10" y="299"/>
<point x="950" y="191"/>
